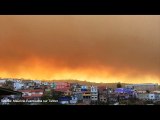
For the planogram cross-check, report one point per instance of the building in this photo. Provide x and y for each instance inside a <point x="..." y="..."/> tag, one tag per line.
<point x="18" y="85"/>
<point x="102" y="94"/>
<point x="127" y="92"/>
<point x="61" y="85"/>
<point x="148" y="96"/>
<point x="103" y="98"/>
<point x="79" y="95"/>
<point x="74" y="99"/>
<point x="143" y="87"/>
<point x="94" y="93"/>
<point x="102" y="90"/>
<point x="64" y="100"/>
<point x="76" y="90"/>
<point x="86" y="93"/>
<point x="35" y="94"/>
<point x="84" y="88"/>
<point x="37" y="81"/>
<point x="45" y="83"/>
<point x="86" y="97"/>
<point x="76" y="87"/>
<point x="143" y="96"/>
<point x="151" y="96"/>
<point x="124" y="90"/>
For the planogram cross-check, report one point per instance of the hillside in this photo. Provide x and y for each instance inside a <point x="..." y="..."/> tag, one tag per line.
<point x="112" y="85"/>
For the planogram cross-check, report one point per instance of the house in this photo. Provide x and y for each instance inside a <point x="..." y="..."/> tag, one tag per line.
<point x="113" y="97"/>
<point x="125" y="92"/>
<point x="78" y="94"/>
<point x="102" y="90"/>
<point x="103" y="98"/>
<point x="61" y="85"/>
<point x="94" y="93"/>
<point x="84" y="88"/>
<point x="86" y="92"/>
<point x="18" y="85"/>
<point x="143" y="87"/>
<point x="102" y="93"/>
<point x="157" y="95"/>
<point x="64" y="100"/>
<point x="143" y="96"/>
<point x="76" y="87"/>
<point x="74" y="99"/>
<point x="30" y="94"/>
<point x="76" y="90"/>
<point x="45" y="83"/>
<point x="86" y="97"/>
<point x="151" y="96"/>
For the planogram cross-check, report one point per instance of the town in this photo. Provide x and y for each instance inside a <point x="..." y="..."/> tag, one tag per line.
<point x="37" y="92"/>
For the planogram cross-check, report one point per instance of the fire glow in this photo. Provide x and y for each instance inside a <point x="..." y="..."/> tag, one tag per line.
<point x="93" y="48"/>
<point x="43" y="70"/>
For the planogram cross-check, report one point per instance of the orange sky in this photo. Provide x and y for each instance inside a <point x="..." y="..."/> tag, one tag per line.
<point x="94" y="48"/>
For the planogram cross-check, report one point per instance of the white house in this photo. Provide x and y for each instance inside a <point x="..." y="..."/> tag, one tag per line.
<point x="18" y="85"/>
<point x="151" y="96"/>
<point x="94" y="93"/>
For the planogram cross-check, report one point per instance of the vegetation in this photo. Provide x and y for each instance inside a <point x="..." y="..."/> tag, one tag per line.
<point x="8" y="85"/>
<point x="110" y="85"/>
<point x="147" y="91"/>
<point x="54" y="95"/>
<point x="132" y="101"/>
<point x="119" y="85"/>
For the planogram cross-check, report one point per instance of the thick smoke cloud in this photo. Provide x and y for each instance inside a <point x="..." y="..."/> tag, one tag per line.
<point x="127" y="46"/>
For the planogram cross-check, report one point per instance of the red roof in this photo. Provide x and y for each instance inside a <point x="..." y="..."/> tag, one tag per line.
<point x="62" y="89"/>
<point x="35" y="90"/>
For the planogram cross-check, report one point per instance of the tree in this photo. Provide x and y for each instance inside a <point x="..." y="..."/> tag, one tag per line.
<point x="147" y="91"/>
<point x="9" y="85"/>
<point x="55" y="96"/>
<point x="119" y="85"/>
